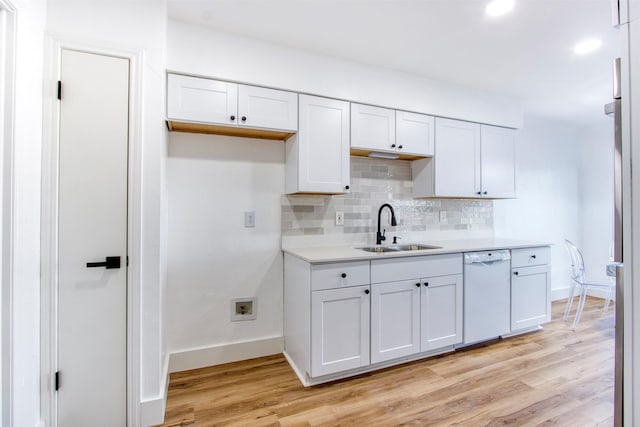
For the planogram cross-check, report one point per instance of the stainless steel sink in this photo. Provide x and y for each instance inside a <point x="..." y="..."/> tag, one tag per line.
<point x="399" y="248"/>
<point x="413" y="247"/>
<point x="378" y="249"/>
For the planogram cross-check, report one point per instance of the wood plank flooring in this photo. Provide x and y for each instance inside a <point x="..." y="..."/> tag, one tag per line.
<point x="554" y="377"/>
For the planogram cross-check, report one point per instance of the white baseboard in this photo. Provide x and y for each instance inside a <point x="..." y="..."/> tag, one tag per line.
<point x="563" y="293"/>
<point x="152" y="410"/>
<point x="225" y="353"/>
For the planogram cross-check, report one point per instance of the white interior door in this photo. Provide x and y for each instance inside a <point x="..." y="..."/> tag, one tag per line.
<point x="92" y="225"/>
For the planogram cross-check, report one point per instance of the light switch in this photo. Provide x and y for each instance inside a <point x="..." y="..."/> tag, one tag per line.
<point x="339" y="218"/>
<point x="443" y="216"/>
<point x="250" y="219"/>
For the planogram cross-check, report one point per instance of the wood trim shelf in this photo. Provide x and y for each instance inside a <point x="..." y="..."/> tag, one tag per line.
<point x="212" y="129"/>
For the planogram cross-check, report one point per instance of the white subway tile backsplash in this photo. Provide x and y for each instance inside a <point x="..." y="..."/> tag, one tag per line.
<point x="374" y="182"/>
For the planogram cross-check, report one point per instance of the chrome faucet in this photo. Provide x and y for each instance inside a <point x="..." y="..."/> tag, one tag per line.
<point x="380" y="236"/>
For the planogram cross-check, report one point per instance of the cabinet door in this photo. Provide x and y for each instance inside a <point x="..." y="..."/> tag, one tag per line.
<point x="267" y="108"/>
<point x="414" y="133"/>
<point x="395" y="320"/>
<point x="498" y="161"/>
<point x="339" y="330"/>
<point x="441" y="312"/>
<point x="373" y="128"/>
<point x="319" y="154"/>
<point x="530" y="299"/>
<point x="457" y="158"/>
<point x="195" y="99"/>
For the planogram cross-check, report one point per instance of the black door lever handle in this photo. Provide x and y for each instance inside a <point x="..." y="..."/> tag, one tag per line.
<point x="109" y="263"/>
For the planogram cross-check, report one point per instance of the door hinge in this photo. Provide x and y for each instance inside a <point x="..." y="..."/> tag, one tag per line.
<point x="56" y="381"/>
<point x="59" y="90"/>
<point x="127" y="260"/>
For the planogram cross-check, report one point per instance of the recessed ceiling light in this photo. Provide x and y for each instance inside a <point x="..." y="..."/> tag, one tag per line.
<point x="499" y="7"/>
<point x="587" y="46"/>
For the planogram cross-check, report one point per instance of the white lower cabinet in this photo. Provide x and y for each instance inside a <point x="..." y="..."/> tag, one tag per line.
<point x="441" y="312"/>
<point x="339" y="330"/>
<point x="395" y="320"/>
<point x="530" y="288"/>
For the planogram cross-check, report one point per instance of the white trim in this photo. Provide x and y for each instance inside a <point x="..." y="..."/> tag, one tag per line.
<point x="8" y="15"/>
<point x="49" y="232"/>
<point x="152" y="410"/>
<point x="225" y="353"/>
<point x="559" y="293"/>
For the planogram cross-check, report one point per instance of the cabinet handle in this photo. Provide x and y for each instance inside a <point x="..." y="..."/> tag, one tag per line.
<point x="243" y="118"/>
<point x="346" y="187"/>
<point x="393" y="145"/>
<point x="484" y="192"/>
<point x="344" y="275"/>
<point x="366" y="291"/>
<point x="533" y="256"/>
<point x="479" y="192"/>
<point x="515" y="273"/>
<point x="426" y="284"/>
<point x="399" y="147"/>
<point x="417" y="285"/>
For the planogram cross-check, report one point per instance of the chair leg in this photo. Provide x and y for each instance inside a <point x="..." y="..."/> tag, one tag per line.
<point x="607" y="300"/>
<point x="567" y="308"/>
<point x="583" y="297"/>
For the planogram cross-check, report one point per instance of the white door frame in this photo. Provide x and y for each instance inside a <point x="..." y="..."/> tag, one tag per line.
<point x="7" y="98"/>
<point x="49" y="221"/>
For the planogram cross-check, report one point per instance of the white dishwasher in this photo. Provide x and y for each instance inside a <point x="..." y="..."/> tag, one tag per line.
<point x="487" y="295"/>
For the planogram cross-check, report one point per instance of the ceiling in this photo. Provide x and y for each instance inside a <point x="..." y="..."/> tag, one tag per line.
<point x="527" y="53"/>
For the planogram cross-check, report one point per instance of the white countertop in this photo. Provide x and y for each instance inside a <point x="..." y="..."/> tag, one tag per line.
<point x="321" y="254"/>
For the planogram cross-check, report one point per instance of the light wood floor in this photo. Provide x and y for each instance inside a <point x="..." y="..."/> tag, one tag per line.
<point x="553" y="377"/>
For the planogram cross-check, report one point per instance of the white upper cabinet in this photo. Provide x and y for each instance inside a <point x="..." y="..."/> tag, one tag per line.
<point x="415" y="133"/>
<point x="317" y="157"/>
<point x="497" y="161"/>
<point x="201" y="100"/>
<point x="267" y="108"/>
<point x="373" y="128"/>
<point x="409" y="135"/>
<point x="195" y="99"/>
<point x="470" y="161"/>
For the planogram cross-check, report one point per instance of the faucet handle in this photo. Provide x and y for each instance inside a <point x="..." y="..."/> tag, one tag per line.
<point x="383" y="237"/>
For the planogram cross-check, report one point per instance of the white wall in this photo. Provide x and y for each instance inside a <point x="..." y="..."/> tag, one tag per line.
<point x="548" y="207"/>
<point x="197" y="50"/>
<point x="138" y="25"/>
<point x="212" y="181"/>
<point x="26" y="212"/>
<point x="596" y="143"/>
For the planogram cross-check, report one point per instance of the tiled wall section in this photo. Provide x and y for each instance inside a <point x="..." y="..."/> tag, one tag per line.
<point x="374" y="182"/>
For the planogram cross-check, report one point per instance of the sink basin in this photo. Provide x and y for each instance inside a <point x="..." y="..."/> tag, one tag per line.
<point x="378" y="249"/>
<point x="399" y="248"/>
<point x="413" y="247"/>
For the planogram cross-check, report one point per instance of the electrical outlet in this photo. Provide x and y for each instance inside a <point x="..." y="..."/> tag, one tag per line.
<point x="443" y="216"/>
<point x="244" y="309"/>
<point x="339" y="218"/>
<point x="250" y="219"/>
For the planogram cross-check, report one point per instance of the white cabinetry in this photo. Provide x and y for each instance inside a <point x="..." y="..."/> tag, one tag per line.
<point x="373" y="128"/>
<point x="441" y="311"/>
<point x="409" y="135"/>
<point x="223" y="105"/>
<point x="317" y="157"/>
<point x="530" y="287"/>
<point x="470" y="161"/>
<point x="326" y="316"/>
<point x="395" y="320"/>
<point x="339" y="330"/>
<point x="415" y="133"/>
<point x="416" y="305"/>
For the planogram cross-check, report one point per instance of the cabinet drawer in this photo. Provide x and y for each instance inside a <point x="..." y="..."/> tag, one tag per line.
<point x="339" y="275"/>
<point x="393" y="269"/>
<point x="530" y="256"/>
